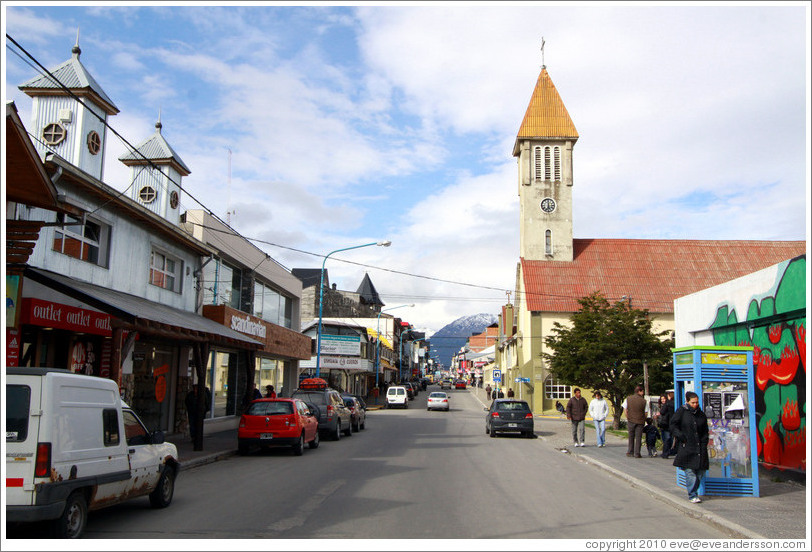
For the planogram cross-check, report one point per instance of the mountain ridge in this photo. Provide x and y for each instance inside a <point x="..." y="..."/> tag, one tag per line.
<point x="450" y="338"/>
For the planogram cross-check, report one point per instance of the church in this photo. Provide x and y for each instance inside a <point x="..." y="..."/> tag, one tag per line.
<point x="555" y="269"/>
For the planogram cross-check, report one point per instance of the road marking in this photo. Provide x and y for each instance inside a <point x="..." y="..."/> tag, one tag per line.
<point x="307" y="508"/>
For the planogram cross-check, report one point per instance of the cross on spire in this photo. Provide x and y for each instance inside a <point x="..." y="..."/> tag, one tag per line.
<point x="543" y="66"/>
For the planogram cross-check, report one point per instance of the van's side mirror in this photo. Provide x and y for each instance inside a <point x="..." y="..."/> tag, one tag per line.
<point x="158" y="437"/>
<point x="485" y="409"/>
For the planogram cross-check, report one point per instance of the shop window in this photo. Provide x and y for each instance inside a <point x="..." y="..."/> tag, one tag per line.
<point x="554" y="389"/>
<point x="165" y="271"/>
<point x="86" y="240"/>
<point x="221" y="378"/>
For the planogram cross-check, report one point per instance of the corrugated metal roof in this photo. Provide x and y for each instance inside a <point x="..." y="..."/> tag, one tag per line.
<point x="155" y="148"/>
<point x="652" y="272"/>
<point x="73" y="75"/>
<point x="546" y="116"/>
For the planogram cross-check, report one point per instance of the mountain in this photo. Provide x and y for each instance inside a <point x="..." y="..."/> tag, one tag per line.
<point x="448" y="340"/>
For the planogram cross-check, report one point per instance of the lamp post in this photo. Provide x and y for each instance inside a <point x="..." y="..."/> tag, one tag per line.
<point x="384" y="243"/>
<point x="378" y="348"/>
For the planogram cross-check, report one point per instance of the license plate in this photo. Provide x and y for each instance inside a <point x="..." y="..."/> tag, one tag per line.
<point x="266" y="435"/>
<point x="513" y="425"/>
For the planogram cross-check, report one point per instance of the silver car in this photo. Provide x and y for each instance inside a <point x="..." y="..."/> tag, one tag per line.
<point x="437" y="400"/>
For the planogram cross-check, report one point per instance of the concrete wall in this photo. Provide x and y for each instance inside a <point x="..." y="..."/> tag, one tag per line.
<point x="765" y="309"/>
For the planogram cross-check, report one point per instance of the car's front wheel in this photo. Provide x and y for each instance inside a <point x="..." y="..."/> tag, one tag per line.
<point x="161" y="497"/>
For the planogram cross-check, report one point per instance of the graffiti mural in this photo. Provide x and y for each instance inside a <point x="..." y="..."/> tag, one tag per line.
<point x="776" y="328"/>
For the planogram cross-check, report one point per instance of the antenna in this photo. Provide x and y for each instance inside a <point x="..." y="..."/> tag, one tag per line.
<point x="542" y="54"/>
<point x="229" y="212"/>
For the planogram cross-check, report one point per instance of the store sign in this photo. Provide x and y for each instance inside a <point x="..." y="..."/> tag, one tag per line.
<point x="249" y="325"/>
<point x="64" y="317"/>
<point x="338" y="363"/>
<point x="341" y="345"/>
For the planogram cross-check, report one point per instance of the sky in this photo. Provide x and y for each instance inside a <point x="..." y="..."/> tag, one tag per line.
<point x="345" y="125"/>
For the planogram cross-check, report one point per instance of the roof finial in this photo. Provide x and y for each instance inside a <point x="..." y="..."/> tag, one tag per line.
<point x="542" y="54"/>
<point x="76" y="50"/>
<point x="158" y="125"/>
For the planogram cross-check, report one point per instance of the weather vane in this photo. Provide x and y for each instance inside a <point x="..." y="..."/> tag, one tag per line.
<point x="542" y="54"/>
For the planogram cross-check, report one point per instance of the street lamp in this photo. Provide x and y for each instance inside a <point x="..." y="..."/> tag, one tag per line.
<point x="378" y="348"/>
<point x="384" y="243"/>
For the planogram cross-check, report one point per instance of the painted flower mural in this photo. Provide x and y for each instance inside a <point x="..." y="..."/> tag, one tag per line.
<point x="776" y="328"/>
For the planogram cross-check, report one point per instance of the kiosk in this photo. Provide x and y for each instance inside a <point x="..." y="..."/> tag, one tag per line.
<point x="723" y="379"/>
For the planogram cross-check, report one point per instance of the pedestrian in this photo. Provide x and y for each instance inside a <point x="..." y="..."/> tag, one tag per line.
<point x="689" y="426"/>
<point x="666" y="412"/>
<point x="637" y="410"/>
<point x="510" y="393"/>
<point x="501" y="393"/>
<point x="256" y="393"/>
<point x="269" y="392"/>
<point x="598" y="410"/>
<point x="192" y="410"/>
<point x="650" y="430"/>
<point x="576" y="414"/>
<point x="488" y="390"/>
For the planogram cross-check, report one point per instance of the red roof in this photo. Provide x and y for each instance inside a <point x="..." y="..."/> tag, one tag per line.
<point x="652" y="272"/>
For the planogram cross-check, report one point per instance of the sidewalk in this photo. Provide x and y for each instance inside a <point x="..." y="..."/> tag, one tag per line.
<point x="779" y="513"/>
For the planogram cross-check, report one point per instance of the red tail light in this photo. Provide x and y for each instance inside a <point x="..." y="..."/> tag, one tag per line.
<point x="329" y="411"/>
<point x="529" y="415"/>
<point x="494" y="415"/>
<point x="43" y="465"/>
<point x="242" y="421"/>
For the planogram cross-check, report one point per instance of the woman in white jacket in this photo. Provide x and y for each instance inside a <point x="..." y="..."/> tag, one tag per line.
<point x="598" y="410"/>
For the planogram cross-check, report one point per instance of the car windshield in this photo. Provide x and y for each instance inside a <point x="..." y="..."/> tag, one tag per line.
<point x="269" y="408"/>
<point x="437" y="395"/>
<point x="518" y="405"/>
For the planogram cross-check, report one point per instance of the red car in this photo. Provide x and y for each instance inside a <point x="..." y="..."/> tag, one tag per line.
<point x="460" y="384"/>
<point x="277" y="422"/>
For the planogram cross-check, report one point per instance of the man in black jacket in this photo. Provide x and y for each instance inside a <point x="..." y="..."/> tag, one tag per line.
<point x="689" y="426"/>
<point x="576" y="414"/>
<point x="666" y="412"/>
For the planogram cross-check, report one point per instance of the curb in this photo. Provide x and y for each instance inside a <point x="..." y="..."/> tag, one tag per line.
<point x="696" y="512"/>
<point x="208" y="459"/>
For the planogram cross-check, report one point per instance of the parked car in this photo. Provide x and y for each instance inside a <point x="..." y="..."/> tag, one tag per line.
<point x="459" y="384"/>
<point x="396" y="395"/>
<point x="76" y="447"/>
<point x="509" y="416"/>
<point x="438" y="400"/>
<point x="359" y="413"/>
<point x="277" y="423"/>
<point x="445" y="384"/>
<point x="326" y="404"/>
<point x="410" y="392"/>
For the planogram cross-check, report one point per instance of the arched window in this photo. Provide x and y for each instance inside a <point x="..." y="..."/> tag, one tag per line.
<point x="547" y="163"/>
<point x="548" y="242"/>
<point x="538" y="168"/>
<point x="554" y="389"/>
<point x="557" y="163"/>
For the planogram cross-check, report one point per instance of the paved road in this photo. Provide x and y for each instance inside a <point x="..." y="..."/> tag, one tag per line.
<point x="411" y="474"/>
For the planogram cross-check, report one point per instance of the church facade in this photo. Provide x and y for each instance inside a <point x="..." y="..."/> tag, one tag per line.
<point x="555" y="269"/>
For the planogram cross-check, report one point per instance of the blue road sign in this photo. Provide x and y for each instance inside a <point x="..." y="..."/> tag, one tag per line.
<point x="497" y="375"/>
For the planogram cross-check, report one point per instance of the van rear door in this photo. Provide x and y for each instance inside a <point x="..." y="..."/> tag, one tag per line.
<point x="23" y="398"/>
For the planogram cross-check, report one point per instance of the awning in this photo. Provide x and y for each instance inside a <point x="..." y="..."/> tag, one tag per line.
<point x="144" y="316"/>
<point x="386" y="342"/>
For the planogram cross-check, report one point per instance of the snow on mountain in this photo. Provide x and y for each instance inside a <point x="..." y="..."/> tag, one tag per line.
<point x="451" y="337"/>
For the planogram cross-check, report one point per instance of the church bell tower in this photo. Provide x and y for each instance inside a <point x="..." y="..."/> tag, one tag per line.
<point x="543" y="150"/>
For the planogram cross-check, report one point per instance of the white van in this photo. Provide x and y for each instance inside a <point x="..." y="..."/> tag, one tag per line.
<point x="72" y="445"/>
<point x="397" y="396"/>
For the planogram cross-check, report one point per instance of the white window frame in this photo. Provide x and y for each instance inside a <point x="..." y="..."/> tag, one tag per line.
<point x="160" y="275"/>
<point x="85" y="236"/>
<point x="555" y="390"/>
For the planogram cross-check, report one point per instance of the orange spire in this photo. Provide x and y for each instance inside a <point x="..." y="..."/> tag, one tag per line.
<point x="546" y="116"/>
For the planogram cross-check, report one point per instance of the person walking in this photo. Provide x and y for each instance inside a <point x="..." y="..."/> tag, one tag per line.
<point x="637" y="409"/>
<point x="689" y="426"/>
<point x="576" y="414"/>
<point x="598" y="410"/>
<point x="650" y="430"/>
<point x="269" y="392"/>
<point x="488" y="390"/>
<point x="666" y="412"/>
<point x="510" y="393"/>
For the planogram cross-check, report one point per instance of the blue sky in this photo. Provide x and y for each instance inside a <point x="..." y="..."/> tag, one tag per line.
<point x="357" y="123"/>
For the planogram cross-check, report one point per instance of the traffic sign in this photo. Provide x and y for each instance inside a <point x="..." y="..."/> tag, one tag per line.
<point x="497" y="375"/>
